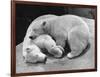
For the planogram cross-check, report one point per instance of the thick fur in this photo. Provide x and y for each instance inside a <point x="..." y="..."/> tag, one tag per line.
<point x="63" y="28"/>
<point x="33" y="54"/>
<point x="46" y="42"/>
<point x="41" y="42"/>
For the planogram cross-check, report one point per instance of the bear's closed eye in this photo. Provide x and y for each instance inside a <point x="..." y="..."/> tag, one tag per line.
<point x="27" y="48"/>
<point x="34" y="29"/>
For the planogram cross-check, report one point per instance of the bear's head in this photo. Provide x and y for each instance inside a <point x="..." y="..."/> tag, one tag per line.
<point x="37" y="28"/>
<point x="33" y="54"/>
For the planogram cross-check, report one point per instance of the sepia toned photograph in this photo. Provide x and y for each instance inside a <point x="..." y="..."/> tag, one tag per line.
<point x="52" y="38"/>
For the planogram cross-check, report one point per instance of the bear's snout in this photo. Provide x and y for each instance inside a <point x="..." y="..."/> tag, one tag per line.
<point x="32" y="37"/>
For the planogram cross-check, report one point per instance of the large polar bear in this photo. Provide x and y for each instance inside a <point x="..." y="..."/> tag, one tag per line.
<point x="63" y="28"/>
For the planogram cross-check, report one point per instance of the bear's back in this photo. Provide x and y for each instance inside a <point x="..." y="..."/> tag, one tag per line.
<point x="63" y="24"/>
<point x="45" y="17"/>
<point x="67" y="22"/>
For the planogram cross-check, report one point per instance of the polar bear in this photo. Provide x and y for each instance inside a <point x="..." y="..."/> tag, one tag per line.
<point x="45" y="41"/>
<point x="32" y="49"/>
<point x="32" y="54"/>
<point x="70" y="28"/>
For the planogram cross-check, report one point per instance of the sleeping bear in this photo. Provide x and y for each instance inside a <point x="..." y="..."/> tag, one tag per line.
<point x="46" y="42"/>
<point x="32" y="54"/>
<point x="70" y="28"/>
<point x="32" y="49"/>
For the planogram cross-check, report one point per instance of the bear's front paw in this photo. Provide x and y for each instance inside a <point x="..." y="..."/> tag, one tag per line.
<point x="57" y="51"/>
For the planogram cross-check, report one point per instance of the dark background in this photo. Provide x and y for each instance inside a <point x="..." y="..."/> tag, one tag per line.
<point x="25" y="14"/>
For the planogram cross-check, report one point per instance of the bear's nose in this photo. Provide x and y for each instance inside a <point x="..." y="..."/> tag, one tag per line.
<point x="31" y="37"/>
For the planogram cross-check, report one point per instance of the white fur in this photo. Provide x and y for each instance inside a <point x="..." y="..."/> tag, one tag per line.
<point x="32" y="52"/>
<point x="66" y="27"/>
<point x="46" y="41"/>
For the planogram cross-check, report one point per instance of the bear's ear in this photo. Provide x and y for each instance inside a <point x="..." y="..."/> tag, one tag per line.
<point x="44" y="27"/>
<point x="44" y="23"/>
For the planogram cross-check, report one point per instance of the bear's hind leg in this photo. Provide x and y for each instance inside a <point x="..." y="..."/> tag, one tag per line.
<point x="77" y="41"/>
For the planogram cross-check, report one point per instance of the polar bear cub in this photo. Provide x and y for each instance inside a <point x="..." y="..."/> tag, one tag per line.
<point x="32" y="49"/>
<point x="46" y="41"/>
